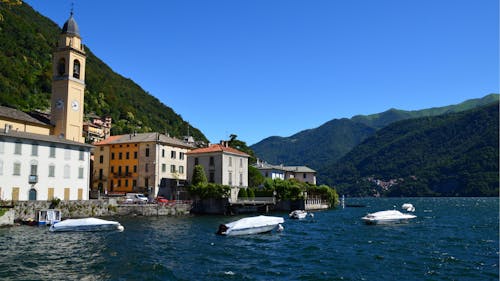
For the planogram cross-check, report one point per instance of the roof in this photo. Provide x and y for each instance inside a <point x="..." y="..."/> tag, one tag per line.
<point x="39" y="137"/>
<point x="70" y="27"/>
<point x="15" y="114"/>
<point x="145" y="137"/>
<point x="295" y="169"/>
<point x="214" y="148"/>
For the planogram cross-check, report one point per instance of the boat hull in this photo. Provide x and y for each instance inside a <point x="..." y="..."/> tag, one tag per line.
<point x="251" y="225"/>
<point x="87" y="224"/>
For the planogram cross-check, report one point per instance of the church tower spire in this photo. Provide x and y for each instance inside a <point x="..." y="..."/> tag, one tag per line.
<point x="68" y="83"/>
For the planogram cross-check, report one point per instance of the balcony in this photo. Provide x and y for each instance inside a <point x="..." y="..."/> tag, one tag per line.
<point x="33" y="179"/>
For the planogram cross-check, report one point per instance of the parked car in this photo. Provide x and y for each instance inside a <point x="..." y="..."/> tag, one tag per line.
<point x="161" y="200"/>
<point x="136" y="198"/>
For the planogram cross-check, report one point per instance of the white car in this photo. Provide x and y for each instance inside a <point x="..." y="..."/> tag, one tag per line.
<point x="136" y="198"/>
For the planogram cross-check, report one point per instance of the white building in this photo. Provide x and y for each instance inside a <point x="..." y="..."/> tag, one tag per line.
<point x="300" y="173"/>
<point x="42" y="167"/>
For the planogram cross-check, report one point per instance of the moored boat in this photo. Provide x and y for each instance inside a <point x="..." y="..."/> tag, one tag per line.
<point x="387" y="217"/>
<point x="251" y="225"/>
<point x="298" y="214"/>
<point x="86" y="224"/>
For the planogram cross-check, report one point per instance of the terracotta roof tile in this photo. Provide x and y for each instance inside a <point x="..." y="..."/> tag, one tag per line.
<point x="217" y="148"/>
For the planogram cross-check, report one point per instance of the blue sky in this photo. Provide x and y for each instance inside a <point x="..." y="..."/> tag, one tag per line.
<point x="265" y="68"/>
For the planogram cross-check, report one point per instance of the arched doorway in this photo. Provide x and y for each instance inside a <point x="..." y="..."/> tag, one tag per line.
<point x="32" y="194"/>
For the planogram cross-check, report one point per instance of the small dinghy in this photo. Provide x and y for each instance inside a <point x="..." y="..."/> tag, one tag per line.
<point x="251" y="225"/>
<point x="298" y="214"/>
<point x="86" y="224"/>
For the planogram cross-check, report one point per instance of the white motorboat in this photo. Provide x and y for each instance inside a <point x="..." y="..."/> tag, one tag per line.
<point x="86" y="224"/>
<point x="298" y="214"/>
<point x="387" y="217"/>
<point x="251" y="225"/>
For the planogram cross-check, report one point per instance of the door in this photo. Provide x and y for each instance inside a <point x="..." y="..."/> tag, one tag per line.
<point x="15" y="194"/>
<point x="32" y="194"/>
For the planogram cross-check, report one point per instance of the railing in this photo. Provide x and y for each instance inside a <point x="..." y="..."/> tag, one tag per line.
<point x="254" y="200"/>
<point x="316" y="204"/>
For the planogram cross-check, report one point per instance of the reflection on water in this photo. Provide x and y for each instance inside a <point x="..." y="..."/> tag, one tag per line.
<point x="451" y="239"/>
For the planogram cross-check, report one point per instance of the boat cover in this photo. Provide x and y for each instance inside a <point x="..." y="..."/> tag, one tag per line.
<point x="253" y="222"/>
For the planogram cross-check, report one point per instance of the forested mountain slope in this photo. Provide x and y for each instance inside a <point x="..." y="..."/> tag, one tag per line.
<point x="454" y="154"/>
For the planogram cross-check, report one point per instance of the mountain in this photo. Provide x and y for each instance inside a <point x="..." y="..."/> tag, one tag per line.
<point x="27" y="40"/>
<point x="454" y="154"/>
<point x="323" y="146"/>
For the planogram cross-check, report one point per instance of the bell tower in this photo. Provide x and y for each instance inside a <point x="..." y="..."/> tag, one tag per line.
<point x="68" y="83"/>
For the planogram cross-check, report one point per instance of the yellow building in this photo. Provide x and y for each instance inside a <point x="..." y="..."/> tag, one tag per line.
<point x="150" y="163"/>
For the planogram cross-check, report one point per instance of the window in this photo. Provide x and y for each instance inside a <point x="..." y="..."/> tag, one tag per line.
<point x="164" y="167"/>
<point x="1" y="167"/>
<point x="126" y="183"/>
<point x="126" y="170"/>
<point x="76" y="69"/>
<point x="34" y="149"/>
<point x="67" y="154"/>
<point x="241" y="179"/>
<point x="101" y="159"/>
<point x="18" y="148"/>
<point x="172" y="154"/>
<point x="1" y="146"/>
<point x="120" y="156"/>
<point x="135" y="168"/>
<point x="52" y="152"/>
<point x="80" y="172"/>
<point x="172" y="168"/>
<point x="211" y="177"/>
<point x="147" y="168"/>
<point x="147" y="152"/>
<point x="181" y="155"/>
<point x="61" y="69"/>
<point x="119" y="170"/>
<point x="135" y="154"/>
<point x="241" y="162"/>
<point x="119" y="183"/>
<point x="134" y="183"/>
<point x="33" y="170"/>
<point x="112" y="156"/>
<point x="127" y="155"/>
<point x="111" y="184"/>
<point x="230" y="180"/>
<point x="112" y="169"/>
<point x="163" y="153"/>
<point x="17" y="168"/>
<point x="230" y="161"/>
<point x="81" y="155"/>
<point x="211" y="161"/>
<point x="67" y="171"/>
<point x="101" y="174"/>
<point x="181" y="169"/>
<point x="305" y="175"/>
<point x="146" y="182"/>
<point x="196" y="161"/>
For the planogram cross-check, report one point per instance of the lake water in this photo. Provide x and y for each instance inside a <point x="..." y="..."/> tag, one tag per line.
<point x="451" y="239"/>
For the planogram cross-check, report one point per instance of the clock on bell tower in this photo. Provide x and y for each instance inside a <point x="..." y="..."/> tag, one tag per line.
<point x="68" y="83"/>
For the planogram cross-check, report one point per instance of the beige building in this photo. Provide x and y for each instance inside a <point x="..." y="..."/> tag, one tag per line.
<point x="222" y="164"/>
<point x="150" y="163"/>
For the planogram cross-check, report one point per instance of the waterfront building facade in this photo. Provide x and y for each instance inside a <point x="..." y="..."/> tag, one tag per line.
<point x="300" y="173"/>
<point x="150" y="163"/>
<point x="42" y="159"/>
<point x="222" y="165"/>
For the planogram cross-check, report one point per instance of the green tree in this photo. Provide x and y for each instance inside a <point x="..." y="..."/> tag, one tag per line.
<point x="255" y="178"/>
<point x="199" y="177"/>
<point x="242" y="193"/>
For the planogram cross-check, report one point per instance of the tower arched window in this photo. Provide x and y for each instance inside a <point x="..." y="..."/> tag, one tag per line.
<point x="76" y="69"/>
<point x="61" y="67"/>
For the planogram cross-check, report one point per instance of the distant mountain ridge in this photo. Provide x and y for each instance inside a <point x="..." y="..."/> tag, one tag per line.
<point x="27" y="41"/>
<point x="323" y="146"/>
<point x="453" y="154"/>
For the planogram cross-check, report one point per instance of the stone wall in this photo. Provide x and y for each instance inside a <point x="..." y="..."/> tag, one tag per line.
<point x="24" y="210"/>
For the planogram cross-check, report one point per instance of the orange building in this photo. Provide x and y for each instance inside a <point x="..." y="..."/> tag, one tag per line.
<point x="145" y="163"/>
